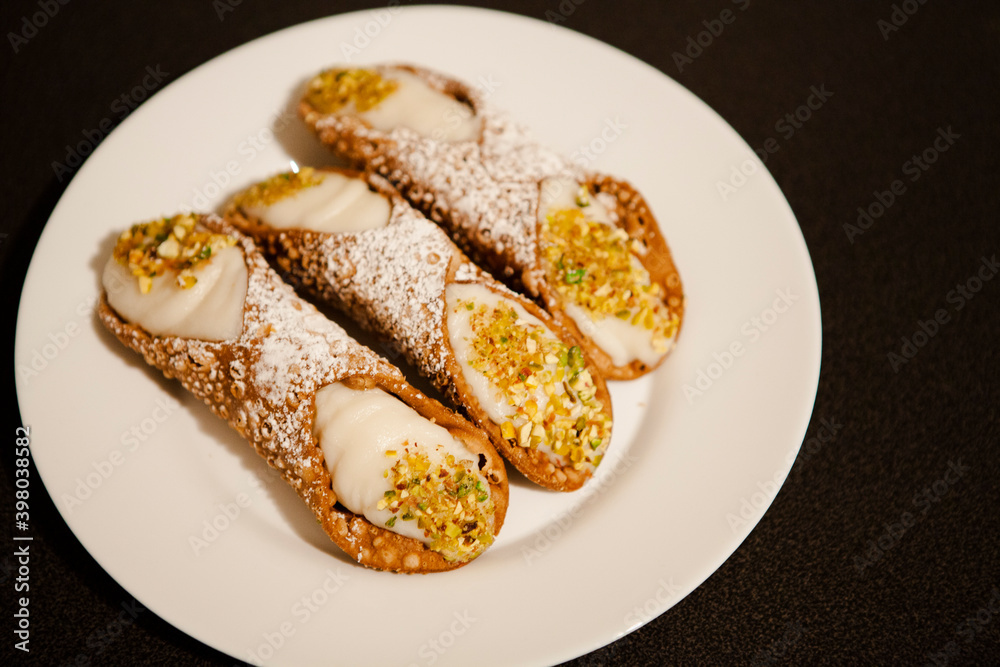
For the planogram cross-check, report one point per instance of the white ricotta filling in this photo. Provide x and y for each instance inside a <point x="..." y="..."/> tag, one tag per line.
<point x="355" y="428"/>
<point x="500" y="407"/>
<point x="460" y="335"/>
<point x="211" y="310"/>
<point x="337" y="204"/>
<point x="621" y="340"/>
<point x="564" y="193"/>
<point x="426" y="111"/>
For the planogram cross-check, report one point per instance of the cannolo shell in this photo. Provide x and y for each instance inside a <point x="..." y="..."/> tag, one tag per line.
<point x="393" y="282"/>
<point x="273" y="407"/>
<point x="498" y="180"/>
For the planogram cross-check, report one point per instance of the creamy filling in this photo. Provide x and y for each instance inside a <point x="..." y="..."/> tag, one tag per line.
<point x="493" y="399"/>
<point x="365" y="434"/>
<point x="623" y="336"/>
<point x="211" y="309"/>
<point x="620" y="340"/>
<point x="415" y="105"/>
<point x="334" y="204"/>
<point x="564" y="193"/>
<point x="529" y="382"/>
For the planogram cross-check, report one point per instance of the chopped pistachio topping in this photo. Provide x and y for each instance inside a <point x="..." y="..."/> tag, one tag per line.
<point x="593" y="265"/>
<point x="152" y="249"/>
<point x="277" y="188"/>
<point x="545" y="382"/>
<point x="334" y="89"/>
<point x="449" y="501"/>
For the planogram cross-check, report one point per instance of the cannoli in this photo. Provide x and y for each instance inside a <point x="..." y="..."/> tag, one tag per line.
<point x="583" y="244"/>
<point x="351" y="240"/>
<point x="396" y="480"/>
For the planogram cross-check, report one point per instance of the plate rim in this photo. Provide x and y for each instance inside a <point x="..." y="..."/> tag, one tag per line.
<point x="135" y="118"/>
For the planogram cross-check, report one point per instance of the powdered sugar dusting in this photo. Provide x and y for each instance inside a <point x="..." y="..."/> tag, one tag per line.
<point x="290" y="350"/>
<point x="263" y="383"/>
<point x="300" y="348"/>
<point x="398" y="279"/>
<point x="468" y="272"/>
<point x="487" y="194"/>
<point x="490" y="186"/>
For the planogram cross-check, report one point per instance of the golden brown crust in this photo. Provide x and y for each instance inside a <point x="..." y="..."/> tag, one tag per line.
<point x="220" y="374"/>
<point x="504" y="169"/>
<point x="334" y="269"/>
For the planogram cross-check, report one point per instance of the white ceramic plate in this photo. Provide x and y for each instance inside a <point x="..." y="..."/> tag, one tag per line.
<point x="142" y="472"/>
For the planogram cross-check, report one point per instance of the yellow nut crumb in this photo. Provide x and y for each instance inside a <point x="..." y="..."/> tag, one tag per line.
<point x="507" y="430"/>
<point x="542" y="379"/>
<point x="595" y="266"/>
<point x="277" y="187"/>
<point x="173" y="244"/>
<point x="451" y="502"/>
<point x="335" y="89"/>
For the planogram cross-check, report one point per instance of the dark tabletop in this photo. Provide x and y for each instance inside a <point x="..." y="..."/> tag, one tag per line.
<point x="882" y="546"/>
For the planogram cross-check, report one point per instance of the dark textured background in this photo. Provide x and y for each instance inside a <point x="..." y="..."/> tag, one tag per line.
<point x="795" y="592"/>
